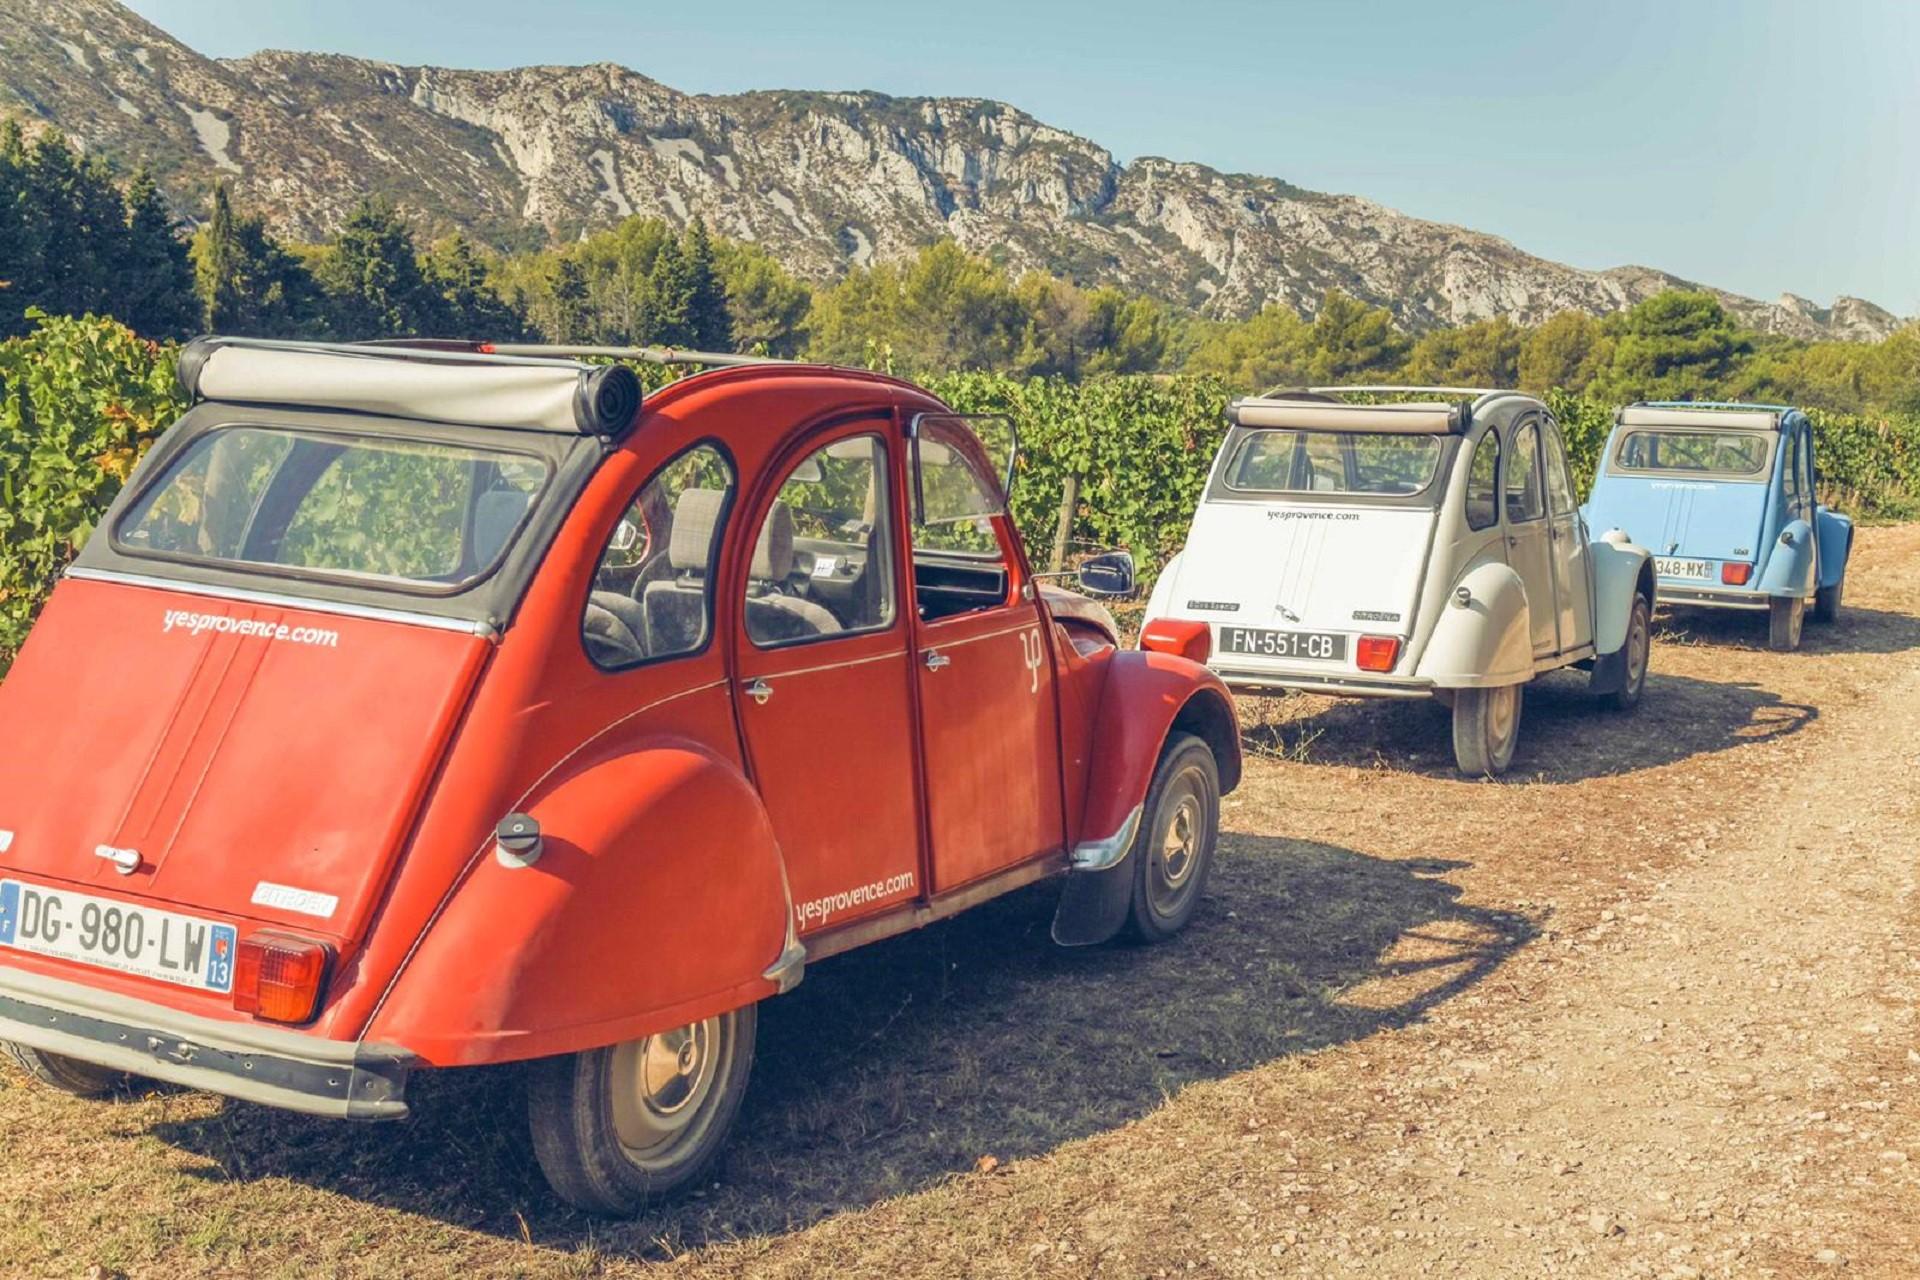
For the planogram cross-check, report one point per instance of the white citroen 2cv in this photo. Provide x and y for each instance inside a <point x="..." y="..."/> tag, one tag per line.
<point x="1408" y="550"/>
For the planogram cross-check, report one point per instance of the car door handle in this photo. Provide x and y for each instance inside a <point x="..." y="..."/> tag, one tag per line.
<point x="759" y="691"/>
<point x="937" y="661"/>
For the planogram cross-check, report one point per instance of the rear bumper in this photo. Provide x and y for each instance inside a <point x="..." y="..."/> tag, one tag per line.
<point x="343" y="1079"/>
<point x="1343" y="686"/>
<point x="1709" y="598"/>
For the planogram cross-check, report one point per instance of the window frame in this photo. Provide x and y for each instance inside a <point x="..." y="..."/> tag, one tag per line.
<point x="1540" y="476"/>
<point x="172" y="463"/>
<point x="716" y="556"/>
<point x="1762" y="474"/>
<point x="1554" y="445"/>
<point x="854" y="429"/>
<point x="1499" y="492"/>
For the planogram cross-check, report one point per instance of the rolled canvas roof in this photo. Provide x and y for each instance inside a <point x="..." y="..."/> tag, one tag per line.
<point x="1736" y="419"/>
<point x="485" y="391"/>
<point x="1405" y="419"/>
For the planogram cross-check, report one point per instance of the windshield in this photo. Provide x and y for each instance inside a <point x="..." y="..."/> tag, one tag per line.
<point x="1731" y="453"/>
<point x="416" y="516"/>
<point x="1327" y="462"/>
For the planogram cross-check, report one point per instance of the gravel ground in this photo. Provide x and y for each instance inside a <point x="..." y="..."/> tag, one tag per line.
<point x="1647" y="1008"/>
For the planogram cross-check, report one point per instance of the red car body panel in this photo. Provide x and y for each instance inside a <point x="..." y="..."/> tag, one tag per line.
<point x="687" y="827"/>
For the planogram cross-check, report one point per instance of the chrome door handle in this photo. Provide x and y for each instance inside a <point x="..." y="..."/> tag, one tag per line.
<point x="759" y="691"/>
<point x="937" y="660"/>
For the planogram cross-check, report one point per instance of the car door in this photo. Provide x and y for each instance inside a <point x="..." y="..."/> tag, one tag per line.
<point x="1567" y="534"/>
<point x="988" y="702"/>
<point x="823" y="680"/>
<point x="1529" y="538"/>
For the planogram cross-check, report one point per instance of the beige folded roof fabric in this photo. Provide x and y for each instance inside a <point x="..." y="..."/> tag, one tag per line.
<point x="530" y="395"/>
<point x="1406" y="419"/>
<point x="1736" y="419"/>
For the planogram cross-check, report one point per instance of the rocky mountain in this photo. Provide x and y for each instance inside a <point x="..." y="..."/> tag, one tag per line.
<point x="824" y="180"/>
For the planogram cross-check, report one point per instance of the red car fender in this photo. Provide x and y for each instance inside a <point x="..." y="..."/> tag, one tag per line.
<point x="1149" y="695"/>
<point x="659" y="898"/>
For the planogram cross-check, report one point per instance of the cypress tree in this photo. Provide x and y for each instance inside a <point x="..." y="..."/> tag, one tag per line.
<point x="156" y="294"/>
<point x="709" y="324"/>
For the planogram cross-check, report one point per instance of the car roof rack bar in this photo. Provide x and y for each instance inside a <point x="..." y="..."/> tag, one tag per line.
<point x="1383" y="388"/>
<point x="645" y="355"/>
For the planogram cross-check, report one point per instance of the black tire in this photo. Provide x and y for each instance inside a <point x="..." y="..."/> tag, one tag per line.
<point x="1639" y="654"/>
<point x="1173" y="852"/>
<point x="69" y="1075"/>
<point x="587" y="1110"/>
<point x="1826" y="602"/>
<point x="1786" y="616"/>
<point x="1486" y="728"/>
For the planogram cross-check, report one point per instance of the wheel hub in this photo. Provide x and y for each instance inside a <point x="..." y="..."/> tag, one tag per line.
<point x="660" y="1084"/>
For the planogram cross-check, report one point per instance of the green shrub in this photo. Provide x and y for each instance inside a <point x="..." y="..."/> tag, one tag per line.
<point x="80" y="401"/>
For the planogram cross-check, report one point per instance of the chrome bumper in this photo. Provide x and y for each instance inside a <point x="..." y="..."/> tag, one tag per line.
<point x="342" y="1079"/>
<point x="1339" y="686"/>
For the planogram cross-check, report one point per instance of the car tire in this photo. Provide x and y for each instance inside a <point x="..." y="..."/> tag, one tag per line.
<point x="618" y="1128"/>
<point x="1826" y="602"/>
<point x="1486" y="728"/>
<point x="1786" y="616"/>
<point x="1173" y="852"/>
<point x="69" y="1075"/>
<point x="1639" y="654"/>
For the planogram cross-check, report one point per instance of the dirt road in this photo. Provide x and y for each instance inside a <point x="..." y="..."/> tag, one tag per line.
<point x="1648" y="1008"/>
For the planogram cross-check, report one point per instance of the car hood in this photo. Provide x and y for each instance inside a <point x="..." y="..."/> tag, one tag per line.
<point x="263" y="761"/>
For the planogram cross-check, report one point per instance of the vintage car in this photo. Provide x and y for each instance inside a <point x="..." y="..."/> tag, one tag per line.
<point x="1724" y="495"/>
<point x="427" y="709"/>
<point x="1426" y="549"/>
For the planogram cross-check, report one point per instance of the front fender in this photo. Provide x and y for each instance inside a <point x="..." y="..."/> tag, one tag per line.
<point x="660" y="898"/>
<point x="1148" y="696"/>
<point x="1789" y="570"/>
<point x="1488" y="641"/>
<point x="1835" y="532"/>
<point x="1621" y="571"/>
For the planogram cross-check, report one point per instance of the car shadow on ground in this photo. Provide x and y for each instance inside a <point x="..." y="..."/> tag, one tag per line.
<point x="900" y="1065"/>
<point x="1565" y="735"/>
<point x="1858" y="631"/>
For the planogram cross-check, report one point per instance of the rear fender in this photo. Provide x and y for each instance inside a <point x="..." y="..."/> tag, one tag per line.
<point x="1486" y="641"/>
<point x="1789" y="570"/>
<point x="659" y="898"/>
<point x="1835" y="532"/>
<point x="1160" y="600"/>
<point x="1148" y="697"/>
<point x="1621" y="571"/>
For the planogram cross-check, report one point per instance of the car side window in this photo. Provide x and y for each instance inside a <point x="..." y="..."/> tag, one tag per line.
<point x="1559" y="482"/>
<point x="823" y="559"/>
<point x="1809" y="473"/>
<point x="1790" y="469"/>
<point x="1525" y="499"/>
<point x="1483" y="483"/>
<point x="652" y="594"/>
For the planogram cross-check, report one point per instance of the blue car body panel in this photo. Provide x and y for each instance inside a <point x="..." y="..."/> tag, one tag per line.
<point x="1724" y="518"/>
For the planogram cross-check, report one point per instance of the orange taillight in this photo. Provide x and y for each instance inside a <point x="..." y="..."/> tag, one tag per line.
<point x="1735" y="574"/>
<point x="279" y="977"/>
<point x="1181" y="637"/>
<point x="1377" y="653"/>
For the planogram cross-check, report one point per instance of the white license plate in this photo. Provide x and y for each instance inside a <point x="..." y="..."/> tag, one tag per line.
<point x="117" y="935"/>
<point x="1670" y="568"/>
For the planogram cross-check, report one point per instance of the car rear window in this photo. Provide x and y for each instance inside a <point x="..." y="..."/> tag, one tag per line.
<point x="1328" y="462"/>
<point x="1729" y="453"/>
<point x="412" y="515"/>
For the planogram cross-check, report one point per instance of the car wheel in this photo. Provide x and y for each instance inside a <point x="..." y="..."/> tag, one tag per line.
<point x="619" y="1127"/>
<point x="1786" y="615"/>
<point x="1486" y="728"/>
<point x="1638" y="656"/>
<point x="69" y="1075"/>
<point x="1178" y="830"/>
<point x="1826" y="602"/>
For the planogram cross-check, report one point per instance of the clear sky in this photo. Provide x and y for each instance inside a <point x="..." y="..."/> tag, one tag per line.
<point x="1760" y="145"/>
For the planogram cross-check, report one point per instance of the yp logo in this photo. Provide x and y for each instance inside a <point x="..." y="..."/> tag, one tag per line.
<point x="1031" y="650"/>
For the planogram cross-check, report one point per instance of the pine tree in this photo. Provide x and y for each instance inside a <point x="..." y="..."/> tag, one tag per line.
<point x="13" y="229"/>
<point x="667" y="310"/>
<point x="219" y="272"/>
<point x="709" y="324"/>
<point x="371" y="274"/>
<point x="469" y="305"/>
<point x="569" y="319"/>
<point x="247" y="282"/>
<point x="156" y="294"/>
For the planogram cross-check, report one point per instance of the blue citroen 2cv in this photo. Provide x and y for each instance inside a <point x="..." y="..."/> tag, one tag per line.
<point x="1723" y="494"/>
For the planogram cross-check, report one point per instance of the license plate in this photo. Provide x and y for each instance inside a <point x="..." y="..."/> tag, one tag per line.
<point x="1670" y="568"/>
<point x="117" y="935"/>
<point x="1319" y="646"/>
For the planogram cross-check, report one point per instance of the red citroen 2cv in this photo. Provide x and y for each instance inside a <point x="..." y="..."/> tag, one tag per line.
<point x="437" y="706"/>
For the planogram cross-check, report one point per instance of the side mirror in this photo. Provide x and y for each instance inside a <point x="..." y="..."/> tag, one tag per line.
<point x="1109" y="574"/>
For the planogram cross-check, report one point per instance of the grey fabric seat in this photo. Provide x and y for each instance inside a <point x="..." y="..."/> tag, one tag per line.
<point x="674" y="610"/>
<point x="774" y="617"/>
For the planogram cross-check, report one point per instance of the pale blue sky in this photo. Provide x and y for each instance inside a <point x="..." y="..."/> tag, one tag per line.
<point x="1760" y="145"/>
